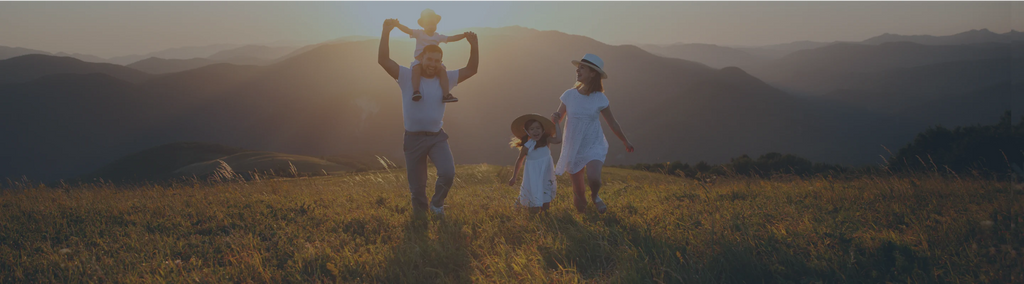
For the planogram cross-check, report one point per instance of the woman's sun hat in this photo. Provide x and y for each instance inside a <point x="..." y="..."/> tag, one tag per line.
<point x="519" y="125"/>
<point x="428" y="16"/>
<point x="594" y="62"/>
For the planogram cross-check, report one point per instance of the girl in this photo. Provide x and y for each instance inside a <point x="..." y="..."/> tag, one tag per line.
<point x="533" y="133"/>
<point x="585" y="145"/>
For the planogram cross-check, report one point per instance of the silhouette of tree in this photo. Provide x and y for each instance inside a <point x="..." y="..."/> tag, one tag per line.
<point x="978" y="149"/>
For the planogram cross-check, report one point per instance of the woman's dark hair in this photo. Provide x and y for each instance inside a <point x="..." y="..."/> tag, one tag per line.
<point x="594" y="85"/>
<point x="518" y="142"/>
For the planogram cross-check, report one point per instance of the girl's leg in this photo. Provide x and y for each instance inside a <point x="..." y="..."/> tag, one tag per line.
<point x="546" y="206"/>
<point x="578" y="198"/>
<point x="593" y="170"/>
<point x="416" y="73"/>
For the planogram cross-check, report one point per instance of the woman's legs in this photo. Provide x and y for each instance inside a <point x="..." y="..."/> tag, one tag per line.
<point x="579" y="199"/>
<point x="594" y="180"/>
<point x="594" y="177"/>
<point x="579" y="184"/>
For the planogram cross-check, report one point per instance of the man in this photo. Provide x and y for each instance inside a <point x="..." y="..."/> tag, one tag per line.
<point x="423" y="134"/>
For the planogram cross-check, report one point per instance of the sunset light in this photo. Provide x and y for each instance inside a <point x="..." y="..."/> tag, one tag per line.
<point x="512" y="142"/>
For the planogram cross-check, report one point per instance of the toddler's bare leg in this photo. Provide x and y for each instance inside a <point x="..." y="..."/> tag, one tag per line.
<point x="417" y="71"/>
<point x="444" y="81"/>
<point x="445" y="88"/>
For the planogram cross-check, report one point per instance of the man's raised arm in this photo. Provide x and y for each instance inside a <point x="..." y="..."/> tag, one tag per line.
<point x="474" y="58"/>
<point x="384" y="52"/>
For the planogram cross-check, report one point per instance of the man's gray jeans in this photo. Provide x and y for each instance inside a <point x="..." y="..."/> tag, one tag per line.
<point x="417" y="148"/>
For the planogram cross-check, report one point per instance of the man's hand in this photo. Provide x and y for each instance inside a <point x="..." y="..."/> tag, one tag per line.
<point x="390" y="24"/>
<point x="474" y="58"/>
<point x="384" y="50"/>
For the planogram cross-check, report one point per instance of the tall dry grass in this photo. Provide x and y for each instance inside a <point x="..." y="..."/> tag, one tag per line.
<point x="359" y="228"/>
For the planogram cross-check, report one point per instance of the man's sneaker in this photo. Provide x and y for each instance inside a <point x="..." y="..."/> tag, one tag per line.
<point x="449" y="98"/>
<point x="416" y="96"/>
<point x="437" y="210"/>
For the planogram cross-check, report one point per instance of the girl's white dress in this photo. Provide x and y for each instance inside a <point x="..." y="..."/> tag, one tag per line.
<point x="538" y="176"/>
<point x="583" y="139"/>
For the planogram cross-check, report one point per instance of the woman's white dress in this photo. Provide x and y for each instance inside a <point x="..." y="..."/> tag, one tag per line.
<point x="583" y="139"/>
<point x="538" y="176"/>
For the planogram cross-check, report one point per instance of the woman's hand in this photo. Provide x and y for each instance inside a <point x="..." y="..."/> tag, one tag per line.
<point x="512" y="181"/>
<point x="629" y="147"/>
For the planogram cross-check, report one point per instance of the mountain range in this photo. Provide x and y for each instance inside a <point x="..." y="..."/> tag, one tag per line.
<point x="253" y="54"/>
<point x="334" y="99"/>
<point x="33" y="66"/>
<point x="154" y="65"/>
<point x="187" y="52"/>
<point x="968" y="37"/>
<point x="960" y="79"/>
<point x="751" y="56"/>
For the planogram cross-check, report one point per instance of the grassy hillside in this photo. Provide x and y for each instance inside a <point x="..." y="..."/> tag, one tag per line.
<point x="358" y="228"/>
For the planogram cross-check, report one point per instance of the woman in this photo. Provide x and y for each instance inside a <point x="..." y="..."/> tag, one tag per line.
<point x="584" y="145"/>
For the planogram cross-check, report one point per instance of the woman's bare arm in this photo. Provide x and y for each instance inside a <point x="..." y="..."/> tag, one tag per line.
<point x="614" y="125"/>
<point x="559" y="114"/>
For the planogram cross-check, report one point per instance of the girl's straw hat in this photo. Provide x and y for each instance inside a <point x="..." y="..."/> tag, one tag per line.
<point x="519" y="125"/>
<point x="428" y="16"/>
<point x="594" y="62"/>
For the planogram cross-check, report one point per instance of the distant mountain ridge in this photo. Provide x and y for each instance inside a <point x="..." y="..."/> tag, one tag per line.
<point x="187" y="52"/>
<point x="968" y="37"/>
<point x="822" y="70"/>
<point x="752" y="56"/>
<point x="865" y="58"/>
<point x="9" y="52"/>
<point x="155" y="65"/>
<point x="32" y="66"/>
<point x="713" y="55"/>
<point x="258" y="51"/>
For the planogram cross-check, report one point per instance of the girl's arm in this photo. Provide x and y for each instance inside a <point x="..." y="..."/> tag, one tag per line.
<point x="403" y="28"/>
<point x="519" y="163"/>
<point x="558" y="137"/>
<point x="559" y="114"/>
<point x="614" y="125"/>
<point x="457" y="37"/>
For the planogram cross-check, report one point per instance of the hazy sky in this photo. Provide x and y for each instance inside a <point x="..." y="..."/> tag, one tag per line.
<point x="110" y="29"/>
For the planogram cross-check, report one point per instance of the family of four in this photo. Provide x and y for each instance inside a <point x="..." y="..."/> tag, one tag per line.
<point x="426" y="86"/>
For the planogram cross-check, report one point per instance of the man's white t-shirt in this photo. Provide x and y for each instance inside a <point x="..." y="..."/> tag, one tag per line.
<point x="426" y="114"/>
<point x="423" y="40"/>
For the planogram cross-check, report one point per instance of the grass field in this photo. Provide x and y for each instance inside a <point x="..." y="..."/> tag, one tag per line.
<point x="359" y="228"/>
